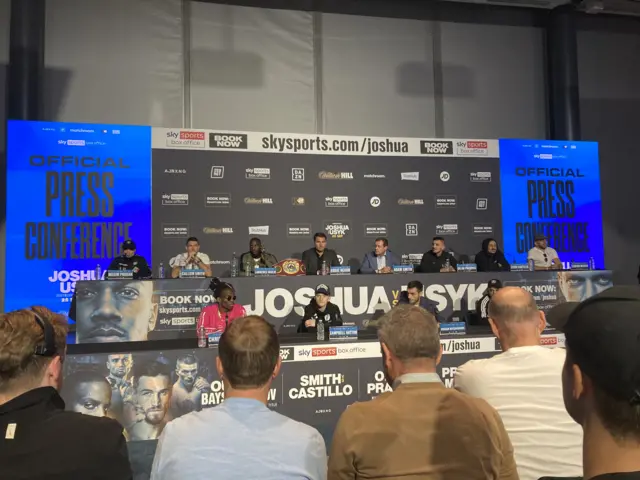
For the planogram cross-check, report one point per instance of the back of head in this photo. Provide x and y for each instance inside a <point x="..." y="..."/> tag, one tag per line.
<point x="21" y="338"/>
<point x="410" y="333"/>
<point x="249" y="350"/>
<point x="512" y="308"/>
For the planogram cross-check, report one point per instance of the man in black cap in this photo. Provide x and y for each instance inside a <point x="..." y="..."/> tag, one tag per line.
<point x="320" y="309"/>
<point x="482" y="305"/>
<point x="601" y="379"/>
<point x="544" y="257"/>
<point x="130" y="261"/>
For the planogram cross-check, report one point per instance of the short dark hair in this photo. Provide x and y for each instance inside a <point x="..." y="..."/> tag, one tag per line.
<point x="319" y="234"/>
<point x="154" y="368"/>
<point x="415" y="284"/>
<point x="192" y="239"/>
<point x="217" y="286"/>
<point x="619" y="417"/>
<point x="438" y="238"/>
<point x="384" y="241"/>
<point x="189" y="359"/>
<point x="249" y="350"/>
<point x="255" y="239"/>
<point x="72" y="381"/>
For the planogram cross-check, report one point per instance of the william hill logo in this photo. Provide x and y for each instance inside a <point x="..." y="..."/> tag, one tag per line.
<point x="258" y="201"/>
<point x="430" y="147"/>
<point x="335" y="175"/>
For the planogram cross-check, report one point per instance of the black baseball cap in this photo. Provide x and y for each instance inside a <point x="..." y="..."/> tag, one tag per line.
<point x="128" y="245"/>
<point x="540" y="236"/>
<point x="603" y="336"/>
<point x="324" y="289"/>
<point x="495" y="283"/>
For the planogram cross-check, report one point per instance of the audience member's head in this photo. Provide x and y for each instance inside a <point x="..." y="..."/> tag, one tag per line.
<point x="414" y="292"/>
<point x="32" y="349"/>
<point x="601" y="375"/>
<point x="248" y="357"/>
<point x="87" y="392"/>
<point x="410" y="341"/>
<point x="515" y="318"/>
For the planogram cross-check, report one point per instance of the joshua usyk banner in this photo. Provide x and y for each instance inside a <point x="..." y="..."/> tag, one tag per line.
<point x="75" y="192"/>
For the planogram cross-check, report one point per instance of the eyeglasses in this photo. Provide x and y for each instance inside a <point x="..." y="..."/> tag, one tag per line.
<point x="230" y="297"/>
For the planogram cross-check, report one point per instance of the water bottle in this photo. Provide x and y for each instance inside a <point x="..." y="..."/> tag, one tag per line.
<point x="570" y="266"/>
<point x="234" y="265"/>
<point x="447" y="264"/>
<point x="202" y="337"/>
<point x="248" y="271"/>
<point x="324" y="269"/>
<point x="592" y="263"/>
<point x="98" y="272"/>
<point x="320" y="330"/>
<point x="161" y="270"/>
<point x="532" y="265"/>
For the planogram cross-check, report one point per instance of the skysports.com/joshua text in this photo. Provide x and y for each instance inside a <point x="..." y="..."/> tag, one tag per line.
<point x="366" y="145"/>
<point x="174" y="310"/>
<point x="457" y="346"/>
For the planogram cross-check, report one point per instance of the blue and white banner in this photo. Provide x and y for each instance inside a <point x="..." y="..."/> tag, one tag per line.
<point x="75" y="192"/>
<point x="551" y="188"/>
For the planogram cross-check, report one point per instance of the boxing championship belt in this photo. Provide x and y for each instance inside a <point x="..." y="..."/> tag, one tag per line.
<point x="290" y="267"/>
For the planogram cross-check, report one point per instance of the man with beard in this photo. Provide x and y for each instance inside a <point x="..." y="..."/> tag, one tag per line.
<point x="256" y="257"/>
<point x="187" y="391"/>
<point x="114" y="311"/>
<point x="152" y="383"/>
<point x="490" y="258"/>
<point x="87" y="392"/>
<point x="436" y="259"/>
<point x="119" y="366"/>
<point x="421" y="429"/>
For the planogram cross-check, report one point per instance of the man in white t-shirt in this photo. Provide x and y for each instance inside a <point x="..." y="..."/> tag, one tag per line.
<point x="544" y="257"/>
<point x="192" y="259"/>
<point x="524" y="384"/>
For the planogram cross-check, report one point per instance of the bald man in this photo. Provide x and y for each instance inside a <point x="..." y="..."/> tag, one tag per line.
<point x="524" y="385"/>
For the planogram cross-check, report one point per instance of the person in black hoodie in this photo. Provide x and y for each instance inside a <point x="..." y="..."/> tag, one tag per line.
<point x="490" y="259"/>
<point x="320" y="309"/>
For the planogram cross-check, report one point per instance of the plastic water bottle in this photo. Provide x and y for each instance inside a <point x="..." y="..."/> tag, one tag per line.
<point x="447" y="264"/>
<point x="234" y="265"/>
<point x="202" y="337"/>
<point x="531" y="264"/>
<point x="324" y="269"/>
<point x="592" y="263"/>
<point x="161" y="270"/>
<point x="248" y="271"/>
<point x="98" y="272"/>
<point x="320" y="330"/>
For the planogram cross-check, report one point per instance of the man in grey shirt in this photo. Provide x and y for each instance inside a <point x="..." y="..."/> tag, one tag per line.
<point x="242" y="438"/>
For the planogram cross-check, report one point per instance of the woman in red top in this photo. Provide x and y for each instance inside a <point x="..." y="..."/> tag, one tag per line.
<point x="216" y="317"/>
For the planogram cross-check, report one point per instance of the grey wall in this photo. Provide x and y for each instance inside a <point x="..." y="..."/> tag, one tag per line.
<point x="609" y="55"/>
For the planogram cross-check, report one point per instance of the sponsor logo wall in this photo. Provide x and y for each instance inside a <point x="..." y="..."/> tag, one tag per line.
<point x="347" y="187"/>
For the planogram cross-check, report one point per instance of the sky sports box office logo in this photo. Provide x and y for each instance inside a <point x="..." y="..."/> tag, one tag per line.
<point x="186" y="139"/>
<point x="232" y="141"/>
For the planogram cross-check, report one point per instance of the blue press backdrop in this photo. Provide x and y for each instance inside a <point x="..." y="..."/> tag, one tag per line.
<point x="101" y="187"/>
<point x="551" y="187"/>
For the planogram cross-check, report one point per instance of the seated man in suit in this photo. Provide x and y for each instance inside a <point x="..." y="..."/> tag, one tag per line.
<point x="381" y="259"/>
<point x="421" y="429"/>
<point x="313" y="258"/>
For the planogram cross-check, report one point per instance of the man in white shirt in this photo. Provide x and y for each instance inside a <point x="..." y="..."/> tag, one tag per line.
<point x="524" y="385"/>
<point x="544" y="257"/>
<point x="192" y="259"/>
<point x="241" y="438"/>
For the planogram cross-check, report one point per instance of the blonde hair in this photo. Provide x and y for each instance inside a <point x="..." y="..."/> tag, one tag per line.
<point x="20" y="334"/>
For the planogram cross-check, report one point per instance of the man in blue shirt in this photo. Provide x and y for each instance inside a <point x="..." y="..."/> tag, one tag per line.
<point x="242" y="438"/>
<point x="380" y="260"/>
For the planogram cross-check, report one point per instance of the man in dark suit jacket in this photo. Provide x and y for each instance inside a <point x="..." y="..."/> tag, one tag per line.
<point x="313" y="258"/>
<point x="380" y="260"/>
<point x="42" y="440"/>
